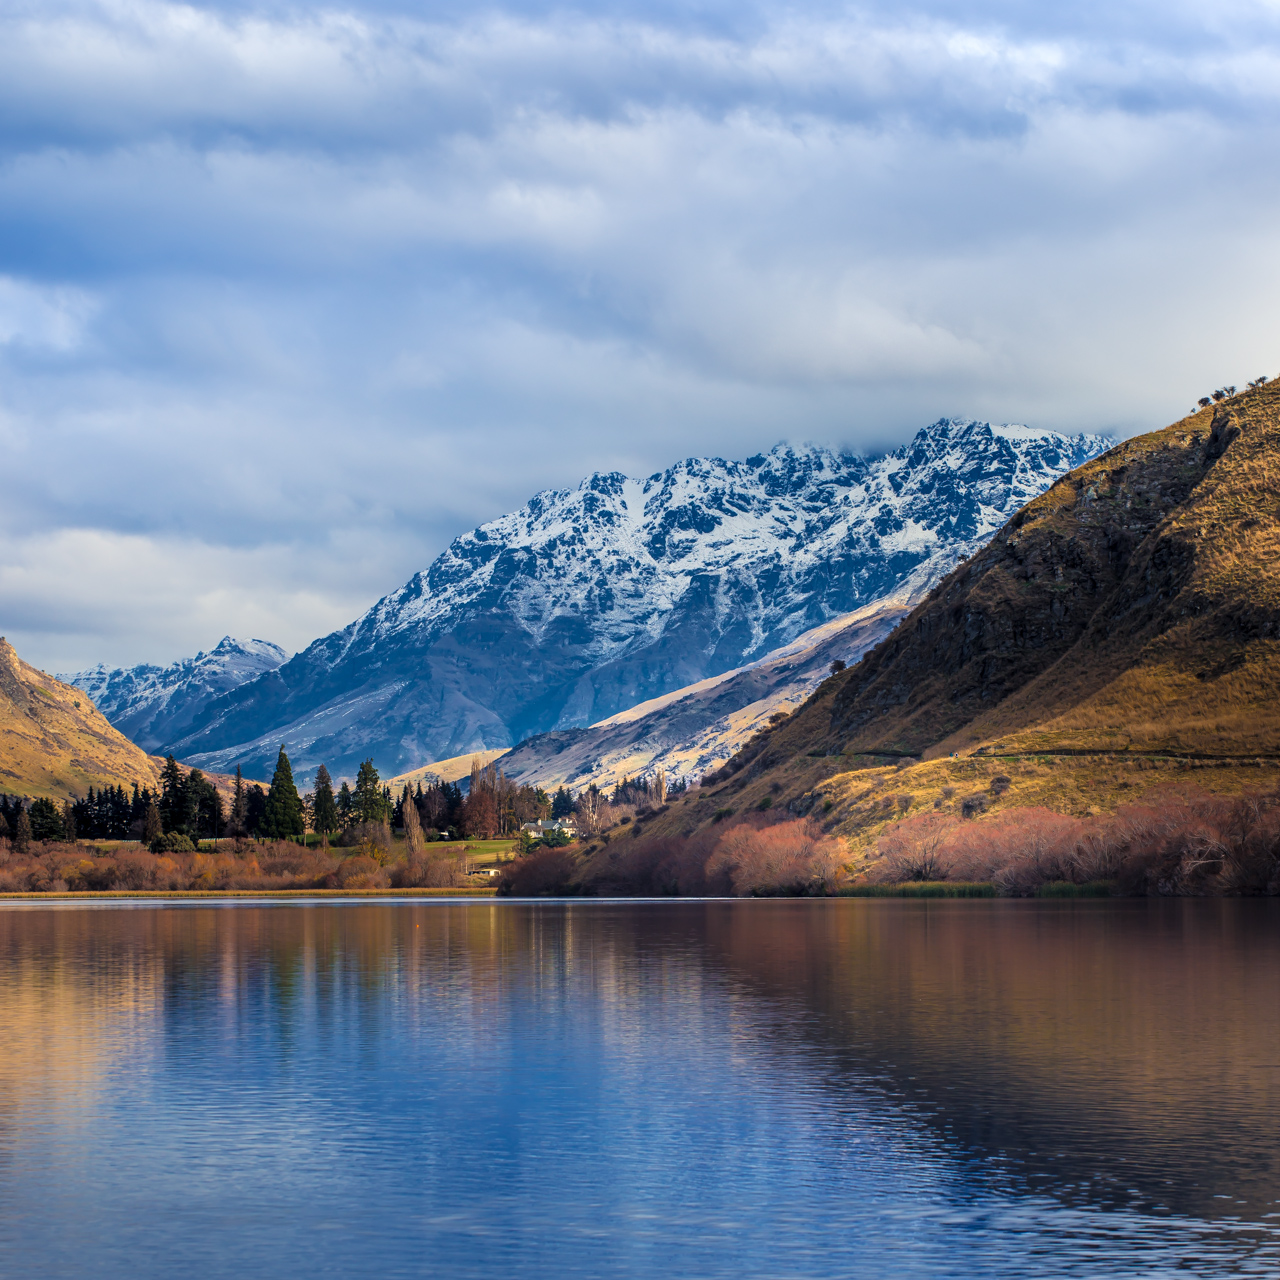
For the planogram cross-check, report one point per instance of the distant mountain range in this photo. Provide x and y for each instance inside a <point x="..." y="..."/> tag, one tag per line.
<point x="589" y="601"/>
<point x="155" y="706"/>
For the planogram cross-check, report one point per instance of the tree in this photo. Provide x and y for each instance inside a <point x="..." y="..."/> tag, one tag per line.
<point x="255" y="805"/>
<point x="326" y="810"/>
<point x="344" y="804"/>
<point x="154" y="825"/>
<point x="412" y="827"/>
<point x="172" y="797"/>
<point x="562" y="805"/>
<point x="22" y="832"/>
<point x="238" y="824"/>
<point x="283" y="815"/>
<point x="68" y="822"/>
<point x="836" y="667"/>
<point x="368" y="803"/>
<point x="46" y="820"/>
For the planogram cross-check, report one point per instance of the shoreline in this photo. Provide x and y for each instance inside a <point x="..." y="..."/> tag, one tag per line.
<point x="93" y="895"/>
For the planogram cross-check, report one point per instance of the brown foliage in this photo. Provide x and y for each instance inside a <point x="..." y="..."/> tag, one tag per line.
<point x="1188" y="843"/>
<point x="548" y="872"/>
<point x="756" y="855"/>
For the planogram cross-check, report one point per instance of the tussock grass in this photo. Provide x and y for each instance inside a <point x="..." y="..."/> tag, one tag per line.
<point x="920" y="889"/>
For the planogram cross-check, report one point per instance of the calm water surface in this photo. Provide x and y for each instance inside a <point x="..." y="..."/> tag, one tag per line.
<point x="789" y="1089"/>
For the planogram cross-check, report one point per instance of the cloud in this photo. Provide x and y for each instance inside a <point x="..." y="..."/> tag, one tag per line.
<point x="309" y="292"/>
<point x="35" y="317"/>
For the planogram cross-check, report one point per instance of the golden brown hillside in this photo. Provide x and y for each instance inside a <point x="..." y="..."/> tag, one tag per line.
<point x="54" y="742"/>
<point x="1124" y="624"/>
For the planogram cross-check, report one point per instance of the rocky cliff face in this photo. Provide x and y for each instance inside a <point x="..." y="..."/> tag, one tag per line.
<point x="590" y="600"/>
<point x="156" y="705"/>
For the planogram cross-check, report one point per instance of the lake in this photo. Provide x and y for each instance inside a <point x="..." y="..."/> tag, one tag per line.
<point x="786" y="1088"/>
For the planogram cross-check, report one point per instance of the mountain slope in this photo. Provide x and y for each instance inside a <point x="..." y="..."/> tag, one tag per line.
<point x="54" y="742"/>
<point x="1133" y="609"/>
<point x="589" y="601"/>
<point x="157" y="705"/>
<point x="695" y="730"/>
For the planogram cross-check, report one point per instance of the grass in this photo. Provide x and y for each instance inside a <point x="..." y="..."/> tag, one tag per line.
<point x="920" y="889"/>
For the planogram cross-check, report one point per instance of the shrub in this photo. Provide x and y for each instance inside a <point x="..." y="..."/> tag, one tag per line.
<point x="173" y="842"/>
<point x="548" y="872"/>
<point x="788" y="858"/>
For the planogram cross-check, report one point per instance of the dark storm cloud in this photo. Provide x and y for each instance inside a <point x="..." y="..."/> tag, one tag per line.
<point x="289" y="297"/>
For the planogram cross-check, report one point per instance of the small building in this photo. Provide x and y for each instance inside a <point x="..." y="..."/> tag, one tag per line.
<point x="561" y="825"/>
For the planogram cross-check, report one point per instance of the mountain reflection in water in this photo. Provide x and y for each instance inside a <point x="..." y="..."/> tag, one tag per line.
<point x="781" y="1088"/>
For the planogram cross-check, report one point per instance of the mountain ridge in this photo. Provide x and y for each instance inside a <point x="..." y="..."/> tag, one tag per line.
<point x="1129" y="617"/>
<point x="587" y="601"/>
<point x="154" y="705"/>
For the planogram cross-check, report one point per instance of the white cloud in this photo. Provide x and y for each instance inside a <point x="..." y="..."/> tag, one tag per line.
<point x="295" y="296"/>
<point x="42" y="316"/>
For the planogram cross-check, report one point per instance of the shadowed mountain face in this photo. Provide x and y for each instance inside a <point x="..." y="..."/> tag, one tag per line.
<point x="1133" y="608"/>
<point x="588" y="601"/>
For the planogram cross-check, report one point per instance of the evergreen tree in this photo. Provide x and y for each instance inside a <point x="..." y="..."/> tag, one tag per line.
<point x="45" y="820"/>
<point x="562" y="805"/>
<point x="368" y="803"/>
<point x="238" y="824"/>
<point x="326" y="809"/>
<point x="283" y="815"/>
<point x="172" y="797"/>
<point x="68" y="822"/>
<point x="188" y="823"/>
<point x="255" y="803"/>
<point x="22" y="832"/>
<point x="345" y="804"/>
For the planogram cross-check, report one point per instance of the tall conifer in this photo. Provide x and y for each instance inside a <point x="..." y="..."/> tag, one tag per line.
<point x="284" y="806"/>
<point x="238" y="822"/>
<point x="326" y="808"/>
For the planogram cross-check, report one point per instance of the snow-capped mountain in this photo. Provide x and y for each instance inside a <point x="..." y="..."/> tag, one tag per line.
<point x="156" y="705"/>
<point x="587" y="601"/>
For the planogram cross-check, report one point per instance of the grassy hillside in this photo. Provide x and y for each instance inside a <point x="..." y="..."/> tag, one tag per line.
<point x="1121" y="633"/>
<point x="54" y="742"/>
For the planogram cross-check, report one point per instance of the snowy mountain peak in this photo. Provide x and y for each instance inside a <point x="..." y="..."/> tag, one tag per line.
<point x="588" y="600"/>
<point x="153" y="704"/>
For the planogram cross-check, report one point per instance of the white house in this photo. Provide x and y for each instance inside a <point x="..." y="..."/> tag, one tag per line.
<point x="563" y="825"/>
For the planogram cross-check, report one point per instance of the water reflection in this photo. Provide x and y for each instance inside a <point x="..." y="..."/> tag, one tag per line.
<point x="772" y="1088"/>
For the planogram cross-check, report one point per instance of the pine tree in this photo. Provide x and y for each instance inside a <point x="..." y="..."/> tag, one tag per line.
<point x="283" y="816"/>
<point x="238" y="824"/>
<point x="345" y="804"/>
<point x="368" y="802"/>
<point x="22" y="832"/>
<point x="193" y="786"/>
<point x="562" y="805"/>
<point x="45" y="820"/>
<point x="326" y="819"/>
<point x="172" y="799"/>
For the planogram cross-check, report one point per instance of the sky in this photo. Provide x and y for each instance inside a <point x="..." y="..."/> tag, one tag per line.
<point x="290" y="295"/>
